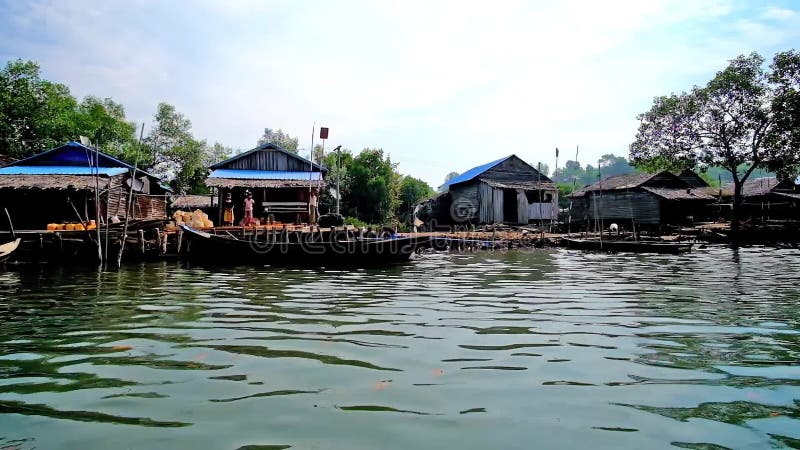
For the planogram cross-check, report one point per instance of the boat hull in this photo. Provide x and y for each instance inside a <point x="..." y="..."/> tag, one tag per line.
<point x="201" y="246"/>
<point x="627" y="246"/>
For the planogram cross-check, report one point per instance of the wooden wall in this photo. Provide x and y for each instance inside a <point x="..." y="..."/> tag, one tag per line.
<point x="513" y="170"/>
<point x="269" y="160"/>
<point x="641" y="206"/>
<point x="144" y="207"/>
<point x="465" y="201"/>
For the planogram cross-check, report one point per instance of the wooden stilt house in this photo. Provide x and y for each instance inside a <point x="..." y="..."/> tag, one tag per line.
<point x="646" y="200"/>
<point x="766" y="198"/>
<point x="507" y="190"/>
<point x="59" y="186"/>
<point x="285" y="186"/>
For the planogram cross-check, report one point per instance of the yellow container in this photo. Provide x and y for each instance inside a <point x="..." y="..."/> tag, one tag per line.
<point x="52" y="226"/>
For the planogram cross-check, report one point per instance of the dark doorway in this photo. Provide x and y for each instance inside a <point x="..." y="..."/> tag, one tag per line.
<point x="510" y="205"/>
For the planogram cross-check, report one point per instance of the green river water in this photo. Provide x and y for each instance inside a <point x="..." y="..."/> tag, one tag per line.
<point x="543" y="349"/>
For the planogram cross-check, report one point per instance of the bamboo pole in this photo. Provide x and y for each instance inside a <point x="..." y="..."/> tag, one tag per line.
<point x="129" y="205"/>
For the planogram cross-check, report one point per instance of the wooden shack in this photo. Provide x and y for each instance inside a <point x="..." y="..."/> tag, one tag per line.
<point x="766" y="198"/>
<point x="284" y="185"/>
<point x="59" y="185"/>
<point x="646" y="200"/>
<point x="507" y="190"/>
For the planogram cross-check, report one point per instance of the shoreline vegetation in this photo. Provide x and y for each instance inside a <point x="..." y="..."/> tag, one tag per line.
<point x="742" y="125"/>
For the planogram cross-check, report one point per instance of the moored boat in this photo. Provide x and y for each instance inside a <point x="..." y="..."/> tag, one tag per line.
<point x="307" y="249"/>
<point x="7" y="249"/>
<point x="614" y="246"/>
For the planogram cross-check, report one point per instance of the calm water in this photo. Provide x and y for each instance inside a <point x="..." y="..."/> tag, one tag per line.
<point x="540" y="349"/>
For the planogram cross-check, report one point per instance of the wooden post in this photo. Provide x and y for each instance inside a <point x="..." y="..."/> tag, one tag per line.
<point x="141" y="241"/>
<point x="163" y="241"/>
<point x="180" y="241"/>
<point x="60" y="240"/>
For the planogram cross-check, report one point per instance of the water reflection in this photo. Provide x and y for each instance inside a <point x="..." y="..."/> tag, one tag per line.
<point x="485" y="350"/>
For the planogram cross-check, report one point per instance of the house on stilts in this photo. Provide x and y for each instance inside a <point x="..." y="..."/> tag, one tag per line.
<point x="641" y="200"/>
<point x="765" y="199"/>
<point x="285" y="186"/>
<point x="507" y="190"/>
<point x="59" y="185"/>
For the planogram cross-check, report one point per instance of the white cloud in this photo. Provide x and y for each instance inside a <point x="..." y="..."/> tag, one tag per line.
<point x="440" y="85"/>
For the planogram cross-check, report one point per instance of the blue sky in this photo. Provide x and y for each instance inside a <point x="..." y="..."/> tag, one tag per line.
<point x="440" y="85"/>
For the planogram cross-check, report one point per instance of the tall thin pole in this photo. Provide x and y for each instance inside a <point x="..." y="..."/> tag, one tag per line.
<point x="574" y="180"/>
<point x="97" y="203"/>
<point x="311" y="169"/>
<point x="338" y="177"/>
<point x="554" y="215"/>
<point x="130" y="203"/>
<point x="600" y="181"/>
<point x="539" y="186"/>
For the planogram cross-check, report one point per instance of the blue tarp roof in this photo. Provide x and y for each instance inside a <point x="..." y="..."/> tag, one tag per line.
<point x="264" y="175"/>
<point x="475" y="171"/>
<point x="74" y="155"/>
<point x="61" y="170"/>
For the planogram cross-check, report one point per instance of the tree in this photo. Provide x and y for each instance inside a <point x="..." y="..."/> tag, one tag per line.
<point x="341" y="173"/>
<point x="216" y="153"/>
<point x="447" y="179"/>
<point x="543" y="168"/>
<point x="374" y="186"/>
<point x="412" y="190"/>
<point x="176" y="156"/>
<point x="279" y="138"/>
<point x="744" y="115"/>
<point x="611" y="165"/>
<point x="35" y="114"/>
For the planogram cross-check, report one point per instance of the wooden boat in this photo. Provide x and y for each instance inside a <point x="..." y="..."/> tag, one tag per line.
<point x="614" y="246"/>
<point x="7" y="249"/>
<point x="306" y="249"/>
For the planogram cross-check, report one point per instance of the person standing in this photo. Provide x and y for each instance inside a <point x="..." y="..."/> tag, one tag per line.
<point x="248" y="209"/>
<point x="227" y="205"/>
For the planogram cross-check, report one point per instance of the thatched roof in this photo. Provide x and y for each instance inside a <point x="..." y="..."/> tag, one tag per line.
<point x="527" y="185"/>
<point x="679" y="194"/>
<point x="58" y="182"/>
<point x="617" y="182"/>
<point x="761" y="186"/>
<point x="250" y="183"/>
<point x="191" y="202"/>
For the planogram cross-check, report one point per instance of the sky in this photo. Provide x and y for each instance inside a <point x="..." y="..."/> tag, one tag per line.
<point x="440" y="86"/>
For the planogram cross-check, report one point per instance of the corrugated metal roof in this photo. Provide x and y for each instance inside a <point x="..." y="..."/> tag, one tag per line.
<point x="475" y="171"/>
<point x="265" y="175"/>
<point x="61" y="170"/>
<point x="268" y="147"/>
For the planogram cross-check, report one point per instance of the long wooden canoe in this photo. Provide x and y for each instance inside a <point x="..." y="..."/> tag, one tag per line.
<point x="627" y="246"/>
<point x="310" y="251"/>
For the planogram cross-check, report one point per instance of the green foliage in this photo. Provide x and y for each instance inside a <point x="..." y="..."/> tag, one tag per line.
<point x="745" y="115"/>
<point x="373" y="186"/>
<point x="412" y="190"/>
<point x="564" y="189"/>
<point x="279" y="138"/>
<point x="370" y="186"/>
<point x="327" y="201"/>
<point x="358" y="223"/>
<point x="216" y="153"/>
<point x="176" y="156"/>
<point x="37" y="114"/>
